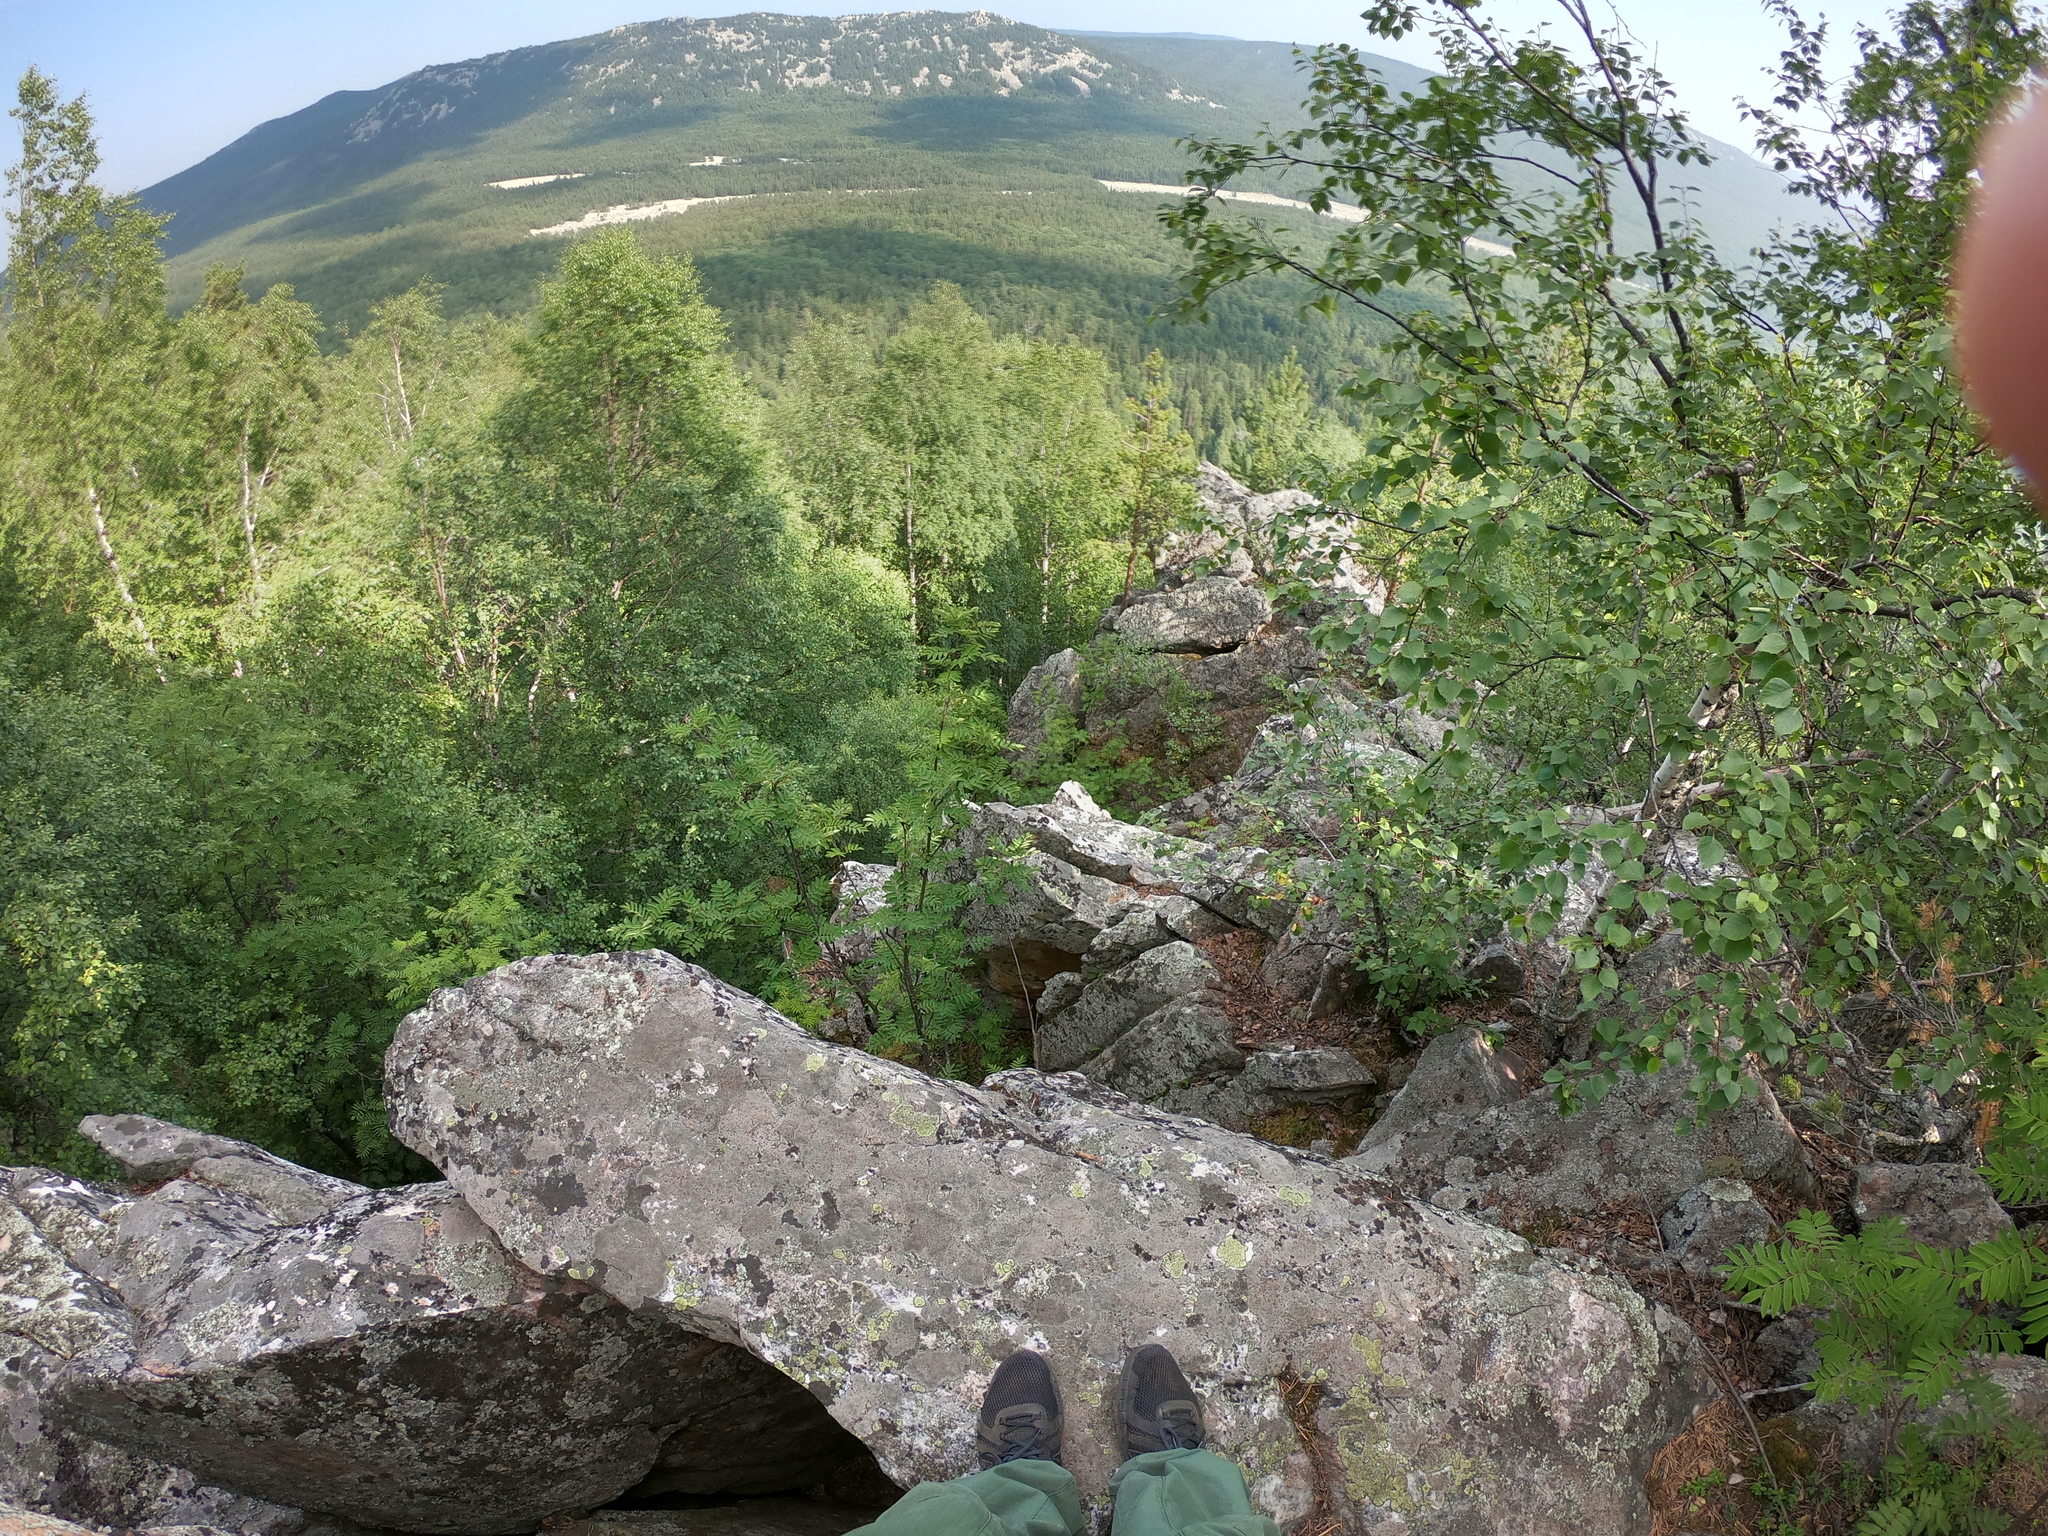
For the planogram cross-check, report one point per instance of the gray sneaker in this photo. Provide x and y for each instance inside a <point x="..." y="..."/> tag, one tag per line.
<point x="1020" y="1414"/>
<point x="1155" y="1405"/>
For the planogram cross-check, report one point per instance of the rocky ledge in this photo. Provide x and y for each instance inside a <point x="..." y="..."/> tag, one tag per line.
<point x="631" y="1123"/>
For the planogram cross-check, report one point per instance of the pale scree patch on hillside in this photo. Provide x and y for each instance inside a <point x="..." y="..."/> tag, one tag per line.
<point x="1346" y="213"/>
<point x="629" y="213"/>
<point x="537" y="181"/>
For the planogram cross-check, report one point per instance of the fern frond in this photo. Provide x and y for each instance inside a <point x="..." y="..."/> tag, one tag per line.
<point x="1892" y="1517"/>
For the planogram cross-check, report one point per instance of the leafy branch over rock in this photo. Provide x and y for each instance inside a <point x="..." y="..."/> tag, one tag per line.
<point x="1713" y="542"/>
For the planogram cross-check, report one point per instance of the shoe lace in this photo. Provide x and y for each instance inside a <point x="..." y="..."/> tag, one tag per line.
<point x="1180" y="1428"/>
<point x="1020" y="1432"/>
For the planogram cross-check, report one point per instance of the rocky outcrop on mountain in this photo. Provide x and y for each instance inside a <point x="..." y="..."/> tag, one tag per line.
<point x="1464" y="1134"/>
<point x="1194" y="666"/>
<point x="1101" y="937"/>
<point x="1242" y="532"/>
<point x="887" y="1237"/>
<point x="375" y="1354"/>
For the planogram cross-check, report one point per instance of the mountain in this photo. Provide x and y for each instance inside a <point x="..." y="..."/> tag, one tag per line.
<point x="808" y="164"/>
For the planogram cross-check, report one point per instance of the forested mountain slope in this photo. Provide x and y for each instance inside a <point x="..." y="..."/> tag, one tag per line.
<point x="856" y="160"/>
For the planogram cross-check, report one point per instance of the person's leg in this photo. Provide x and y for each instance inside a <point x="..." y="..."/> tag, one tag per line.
<point x="1021" y="1489"/>
<point x="1171" y="1486"/>
<point x="1184" y="1492"/>
<point x="1019" y="1498"/>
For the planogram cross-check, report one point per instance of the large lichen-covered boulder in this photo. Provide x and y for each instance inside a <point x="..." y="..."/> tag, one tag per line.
<point x="887" y="1238"/>
<point x="385" y="1360"/>
<point x="1208" y="615"/>
<point x="53" y="1316"/>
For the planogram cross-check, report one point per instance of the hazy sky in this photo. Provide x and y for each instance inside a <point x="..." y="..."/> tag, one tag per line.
<point x="173" y="80"/>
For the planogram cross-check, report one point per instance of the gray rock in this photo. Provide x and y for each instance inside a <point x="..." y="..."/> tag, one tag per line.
<point x="1860" y="1438"/>
<point x="1454" y="1136"/>
<point x="1073" y="828"/>
<point x="53" y="1316"/>
<point x="1238" y="537"/>
<point x="1053" y="904"/>
<point x="1314" y="961"/>
<point x="1232" y="887"/>
<point x="1711" y="1218"/>
<point x="1319" y="1075"/>
<point x="149" y="1149"/>
<point x="1112" y="1004"/>
<point x="1789" y="1349"/>
<point x="859" y="892"/>
<point x="1191" y="920"/>
<point x="889" y="1237"/>
<point x="1060" y="992"/>
<point x="1226" y="698"/>
<point x="1275" y="1080"/>
<point x="1183" y="1042"/>
<point x="1211" y="614"/>
<point x="1041" y="922"/>
<point x="51" y="1313"/>
<point x="385" y="1361"/>
<point x="1050" y="691"/>
<point x="1500" y="969"/>
<point x="1457" y="1075"/>
<point x="17" y="1521"/>
<point x="389" y="1361"/>
<point x="1942" y="1204"/>
<point x="1138" y="925"/>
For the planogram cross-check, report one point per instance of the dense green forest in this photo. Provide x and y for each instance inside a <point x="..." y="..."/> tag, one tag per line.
<point x="335" y="674"/>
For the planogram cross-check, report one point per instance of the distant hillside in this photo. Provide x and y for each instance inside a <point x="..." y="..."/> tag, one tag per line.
<point x="808" y="164"/>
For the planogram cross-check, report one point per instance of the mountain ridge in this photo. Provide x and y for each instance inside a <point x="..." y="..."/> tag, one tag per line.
<point x="809" y="165"/>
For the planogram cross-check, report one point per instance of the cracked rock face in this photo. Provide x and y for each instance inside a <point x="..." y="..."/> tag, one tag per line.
<point x="385" y="1360"/>
<point x="887" y="1238"/>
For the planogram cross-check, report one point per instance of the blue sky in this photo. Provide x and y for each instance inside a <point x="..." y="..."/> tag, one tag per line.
<point x="173" y="80"/>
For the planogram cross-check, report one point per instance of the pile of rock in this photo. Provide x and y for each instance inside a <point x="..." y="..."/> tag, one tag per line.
<point x="1219" y="653"/>
<point x="235" y="1340"/>
<point x="686" y="1245"/>
<point x="1105" y="944"/>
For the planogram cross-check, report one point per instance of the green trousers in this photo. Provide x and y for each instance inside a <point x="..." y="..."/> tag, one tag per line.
<point x="1162" y="1493"/>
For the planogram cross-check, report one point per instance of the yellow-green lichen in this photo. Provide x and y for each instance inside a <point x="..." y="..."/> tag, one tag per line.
<point x="1298" y="1197"/>
<point x="925" y="1127"/>
<point x="815" y="1062"/>
<point x="1369" y="1350"/>
<point x="685" y="1291"/>
<point x="1374" y="1472"/>
<point x="1176" y="1264"/>
<point x="1232" y="1254"/>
